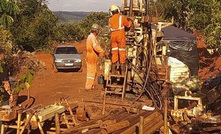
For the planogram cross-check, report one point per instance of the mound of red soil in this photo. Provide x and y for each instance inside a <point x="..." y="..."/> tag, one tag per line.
<point x="209" y="65"/>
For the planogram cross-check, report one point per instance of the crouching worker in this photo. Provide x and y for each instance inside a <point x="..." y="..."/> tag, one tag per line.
<point x="94" y="50"/>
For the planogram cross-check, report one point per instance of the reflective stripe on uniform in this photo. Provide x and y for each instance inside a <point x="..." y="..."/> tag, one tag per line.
<point x="94" y="43"/>
<point x="91" y="78"/>
<point x="122" y="49"/>
<point x="120" y="27"/>
<point x="115" y="48"/>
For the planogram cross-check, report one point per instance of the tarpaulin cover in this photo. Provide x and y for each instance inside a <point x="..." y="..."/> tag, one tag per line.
<point x="174" y="33"/>
<point x="185" y="51"/>
<point x="182" y="45"/>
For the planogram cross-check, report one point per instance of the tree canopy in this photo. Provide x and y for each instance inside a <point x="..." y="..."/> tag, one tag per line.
<point x="8" y="10"/>
<point x="201" y="15"/>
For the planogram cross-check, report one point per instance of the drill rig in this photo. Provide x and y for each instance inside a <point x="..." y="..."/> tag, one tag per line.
<point x="147" y="68"/>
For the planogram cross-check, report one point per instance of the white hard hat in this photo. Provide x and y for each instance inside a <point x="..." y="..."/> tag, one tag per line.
<point x="95" y="27"/>
<point x="114" y="7"/>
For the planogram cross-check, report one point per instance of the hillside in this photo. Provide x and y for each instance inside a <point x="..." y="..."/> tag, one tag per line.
<point x="65" y="16"/>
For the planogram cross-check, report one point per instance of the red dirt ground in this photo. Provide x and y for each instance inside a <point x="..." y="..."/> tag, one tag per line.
<point x="209" y="65"/>
<point x="49" y="86"/>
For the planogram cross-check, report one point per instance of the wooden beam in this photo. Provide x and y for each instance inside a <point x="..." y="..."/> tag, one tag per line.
<point x="141" y="125"/>
<point x="57" y="123"/>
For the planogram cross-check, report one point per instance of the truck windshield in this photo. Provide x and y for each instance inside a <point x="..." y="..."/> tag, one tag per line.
<point x="66" y="50"/>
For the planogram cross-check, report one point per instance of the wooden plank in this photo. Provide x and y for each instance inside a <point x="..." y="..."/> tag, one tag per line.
<point x="108" y="102"/>
<point x="155" y="127"/>
<point x="117" y="126"/>
<point x="148" y="117"/>
<point x="152" y="123"/>
<point x="114" y="86"/>
<point x="48" y="112"/>
<point x="118" y="76"/>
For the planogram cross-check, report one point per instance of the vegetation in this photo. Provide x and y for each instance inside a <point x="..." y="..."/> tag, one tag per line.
<point x="65" y="16"/>
<point x="32" y="29"/>
<point x="200" y="15"/>
<point x="68" y="32"/>
<point x="75" y="31"/>
<point x="8" y="10"/>
<point x="30" y="25"/>
<point x="23" y="82"/>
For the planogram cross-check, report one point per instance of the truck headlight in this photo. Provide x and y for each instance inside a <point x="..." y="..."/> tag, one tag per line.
<point x="78" y="60"/>
<point x="58" y="60"/>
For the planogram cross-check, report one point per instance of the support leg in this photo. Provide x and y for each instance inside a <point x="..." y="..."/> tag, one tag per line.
<point x="57" y="124"/>
<point x="3" y="129"/>
<point x="104" y="102"/>
<point x="19" y="122"/>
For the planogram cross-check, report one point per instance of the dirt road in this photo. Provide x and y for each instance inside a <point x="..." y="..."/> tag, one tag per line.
<point x="48" y="86"/>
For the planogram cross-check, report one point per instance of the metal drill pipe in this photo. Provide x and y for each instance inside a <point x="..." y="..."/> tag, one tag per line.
<point x="131" y="8"/>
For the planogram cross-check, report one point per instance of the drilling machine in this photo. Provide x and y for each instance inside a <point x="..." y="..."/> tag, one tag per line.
<point x="147" y="67"/>
<point x="148" y="71"/>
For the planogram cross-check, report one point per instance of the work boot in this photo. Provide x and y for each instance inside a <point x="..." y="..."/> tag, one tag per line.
<point x="123" y="68"/>
<point x="113" y="69"/>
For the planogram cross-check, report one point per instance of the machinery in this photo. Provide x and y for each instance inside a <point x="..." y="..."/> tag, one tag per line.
<point x="147" y="68"/>
<point x="148" y="71"/>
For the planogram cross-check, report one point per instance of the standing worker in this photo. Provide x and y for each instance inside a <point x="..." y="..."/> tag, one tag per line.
<point x="93" y="51"/>
<point x="117" y="23"/>
<point x="5" y="92"/>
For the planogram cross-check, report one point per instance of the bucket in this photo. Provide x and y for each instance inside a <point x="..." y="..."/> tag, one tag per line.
<point x="107" y="68"/>
<point x="101" y="79"/>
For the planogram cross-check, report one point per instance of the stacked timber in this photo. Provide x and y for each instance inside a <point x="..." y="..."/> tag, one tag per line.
<point x="122" y="122"/>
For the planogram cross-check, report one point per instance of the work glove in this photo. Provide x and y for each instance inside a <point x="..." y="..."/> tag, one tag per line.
<point x="102" y="54"/>
<point x="131" y="19"/>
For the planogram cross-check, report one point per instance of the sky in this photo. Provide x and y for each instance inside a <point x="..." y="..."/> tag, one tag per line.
<point x="82" y="5"/>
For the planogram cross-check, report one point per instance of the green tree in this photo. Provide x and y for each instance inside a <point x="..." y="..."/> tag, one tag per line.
<point x="75" y="31"/>
<point x="180" y="10"/>
<point x="201" y="15"/>
<point x="100" y="18"/>
<point x="213" y="29"/>
<point x="8" y="10"/>
<point x="34" y="25"/>
<point x="68" y="32"/>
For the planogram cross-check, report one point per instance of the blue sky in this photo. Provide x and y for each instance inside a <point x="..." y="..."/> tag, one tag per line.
<point x="82" y="5"/>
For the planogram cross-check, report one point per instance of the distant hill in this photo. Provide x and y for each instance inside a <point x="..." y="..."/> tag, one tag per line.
<point x="65" y="16"/>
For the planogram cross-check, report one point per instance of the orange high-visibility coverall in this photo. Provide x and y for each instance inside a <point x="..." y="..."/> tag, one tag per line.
<point x="118" y="40"/>
<point x="93" y="51"/>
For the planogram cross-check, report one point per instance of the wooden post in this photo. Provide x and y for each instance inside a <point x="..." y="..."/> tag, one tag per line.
<point x="26" y="123"/>
<point x="3" y="129"/>
<point x="19" y="122"/>
<point x="66" y="120"/>
<point x="57" y="124"/>
<point x="104" y="102"/>
<point x="71" y="113"/>
<point x="39" y="125"/>
<point x="141" y="125"/>
<point x="125" y="84"/>
<point x="165" y="117"/>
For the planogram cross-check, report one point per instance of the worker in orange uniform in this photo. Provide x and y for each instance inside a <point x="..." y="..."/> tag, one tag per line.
<point x="94" y="50"/>
<point x="117" y="23"/>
